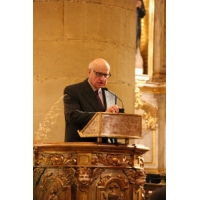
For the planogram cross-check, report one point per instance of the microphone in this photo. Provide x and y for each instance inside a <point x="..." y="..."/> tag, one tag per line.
<point x="121" y="110"/>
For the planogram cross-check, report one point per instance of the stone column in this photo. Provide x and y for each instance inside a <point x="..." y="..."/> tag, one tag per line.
<point x="68" y="34"/>
<point x="159" y="57"/>
<point x="161" y="100"/>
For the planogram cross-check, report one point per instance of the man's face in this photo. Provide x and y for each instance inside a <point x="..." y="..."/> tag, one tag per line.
<point x="101" y="81"/>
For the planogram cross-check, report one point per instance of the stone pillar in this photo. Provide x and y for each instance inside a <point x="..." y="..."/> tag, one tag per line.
<point x="68" y="34"/>
<point x="159" y="56"/>
<point x="161" y="100"/>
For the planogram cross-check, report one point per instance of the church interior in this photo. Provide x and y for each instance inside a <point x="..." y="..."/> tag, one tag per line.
<point x="67" y="35"/>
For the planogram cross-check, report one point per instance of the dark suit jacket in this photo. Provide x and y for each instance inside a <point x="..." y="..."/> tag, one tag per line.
<point x="80" y="105"/>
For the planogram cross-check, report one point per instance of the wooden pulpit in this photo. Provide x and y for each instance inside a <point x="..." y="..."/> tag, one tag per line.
<point x="93" y="170"/>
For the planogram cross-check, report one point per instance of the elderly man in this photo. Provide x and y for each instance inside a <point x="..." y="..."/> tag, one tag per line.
<point x="84" y="99"/>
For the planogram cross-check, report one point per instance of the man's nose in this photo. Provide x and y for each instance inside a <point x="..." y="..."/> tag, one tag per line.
<point x="102" y="77"/>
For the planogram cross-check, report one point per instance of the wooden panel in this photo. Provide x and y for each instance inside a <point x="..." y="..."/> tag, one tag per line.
<point x="88" y="171"/>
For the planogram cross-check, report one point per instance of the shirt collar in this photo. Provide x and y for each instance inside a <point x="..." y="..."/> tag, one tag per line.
<point x="100" y="92"/>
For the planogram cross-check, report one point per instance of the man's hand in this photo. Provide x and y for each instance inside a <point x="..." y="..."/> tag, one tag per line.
<point x="113" y="109"/>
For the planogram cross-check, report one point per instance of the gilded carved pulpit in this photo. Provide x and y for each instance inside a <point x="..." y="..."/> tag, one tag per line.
<point x="93" y="170"/>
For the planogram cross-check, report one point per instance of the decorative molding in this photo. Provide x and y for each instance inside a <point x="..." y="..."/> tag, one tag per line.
<point x="154" y="88"/>
<point x="136" y="177"/>
<point x="55" y="159"/>
<point x="113" y="160"/>
<point x="84" y="177"/>
<point x="112" y="187"/>
<point x="150" y="114"/>
<point x="53" y="182"/>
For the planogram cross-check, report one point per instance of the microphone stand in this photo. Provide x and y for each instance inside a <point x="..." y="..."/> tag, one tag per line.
<point x="121" y="110"/>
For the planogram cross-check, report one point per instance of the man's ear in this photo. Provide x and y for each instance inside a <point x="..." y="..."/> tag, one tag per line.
<point x="89" y="71"/>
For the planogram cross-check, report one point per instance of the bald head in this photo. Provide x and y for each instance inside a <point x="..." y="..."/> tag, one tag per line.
<point x="99" y="62"/>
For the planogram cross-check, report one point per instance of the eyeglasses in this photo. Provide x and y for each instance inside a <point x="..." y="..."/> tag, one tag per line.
<point x="99" y="74"/>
